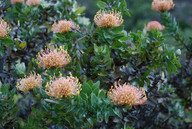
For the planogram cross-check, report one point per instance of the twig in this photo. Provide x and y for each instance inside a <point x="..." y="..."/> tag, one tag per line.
<point x="51" y="101"/>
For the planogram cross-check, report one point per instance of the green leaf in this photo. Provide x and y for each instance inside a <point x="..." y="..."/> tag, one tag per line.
<point x="86" y="88"/>
<point x="12" y="92"/>
<point x="102" y="94"/>
<point x="96" y="91"/>
<point x="94" y="100"/>
<point x="97" y="84"/>
<point x="5" y="89"/>
<point x="106" y="116"/>
<point x="90" y="83"/>
<point x="124" y="38"/>
<point x="1" y="49"/>
<point x="90" y="121"/>
<point x="84" y="96"/>
<point x="7" y="41"/>
<point x="60" y="126"/>
<point x="117" y="29"/>
<point x="117" y="112"/>
<point x="116" y="44"/>
<point x="123" y="5"/>
<point x="99" y="116"/>
<point x="80" y="10"/>
<point x="127" y="13"/>
<point x="101" y="4"/>
<point x="171" y="66"/>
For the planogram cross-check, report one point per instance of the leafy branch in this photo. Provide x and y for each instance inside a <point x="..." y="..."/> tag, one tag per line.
<point x="173" y="29"/>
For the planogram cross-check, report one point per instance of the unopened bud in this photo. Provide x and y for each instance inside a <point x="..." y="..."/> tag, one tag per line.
<point x="162" y="75"/>
<point x="20" y="67"/>
<point x="160" y="49"/>
<point x="178" y="52"/>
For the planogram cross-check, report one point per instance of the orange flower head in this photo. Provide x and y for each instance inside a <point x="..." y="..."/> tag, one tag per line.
<point x="16" y="1"/>
<point x="34" y="2"/>
<point x="108" y="19"/>
<point x="53" y="57"/>
<point x="127" y="95"/>
<point x="162" y="5"/>
<point x="29" y="83"/>
<point x="63" y="87"/>
<point x="62" y="26"/>
<point x="154" y="25"/>
<point x="4" y="29"/>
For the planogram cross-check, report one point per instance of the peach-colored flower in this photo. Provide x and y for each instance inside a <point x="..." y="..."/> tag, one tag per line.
<point x="63" y="87"/>
<point x="154" y="25"/>
<point x="16" y="1"/>
<point x="29" y="83"/>
<point x="108" y="19"/>
<point x="63" y="26"/>
<point x="4" y="29"/>
<point x="53" y="57"/>
<point x="34" y="2"/>
<point x="127" y="95"/>
<point x="162" y="5"/>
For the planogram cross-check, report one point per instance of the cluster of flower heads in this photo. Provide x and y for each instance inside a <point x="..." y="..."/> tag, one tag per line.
<point x="108" y="19"/>
<point x="63" y="26"/>
<point x="53" y="57"/>
<point x="28" y="2"/>
<point x="29" y="82"/>
<point x="154" y="25"/>
<point x="162" y="5"/>
<point x="4" y="29"/>
<point x="127" y="95"/>
<point x="63" y="87"/>
<point x="159" y="5"/>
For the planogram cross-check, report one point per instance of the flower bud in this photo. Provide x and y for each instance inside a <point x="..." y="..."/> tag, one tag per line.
<point x="178" y="52"/>
<point x="84" y="21"/>
<point x="154" y="25"/>
<point x="160" y="49"/>
<point x="20" y="67"/>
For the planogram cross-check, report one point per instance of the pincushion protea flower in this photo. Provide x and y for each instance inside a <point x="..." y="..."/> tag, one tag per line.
<point x="4" y="29"/>
<point x="63" y="26"/>
<point x="53" y="57"/>
<point x="162" y="5"/>
<point x="30" y="82"/>
<point x="63" y="87"/>
<point x="34" y="2"/>
<point x="108" y="19"/>
<point x="16" y="1"/>
<point x="154" y="25"/>
<point x="127" y="95"/>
